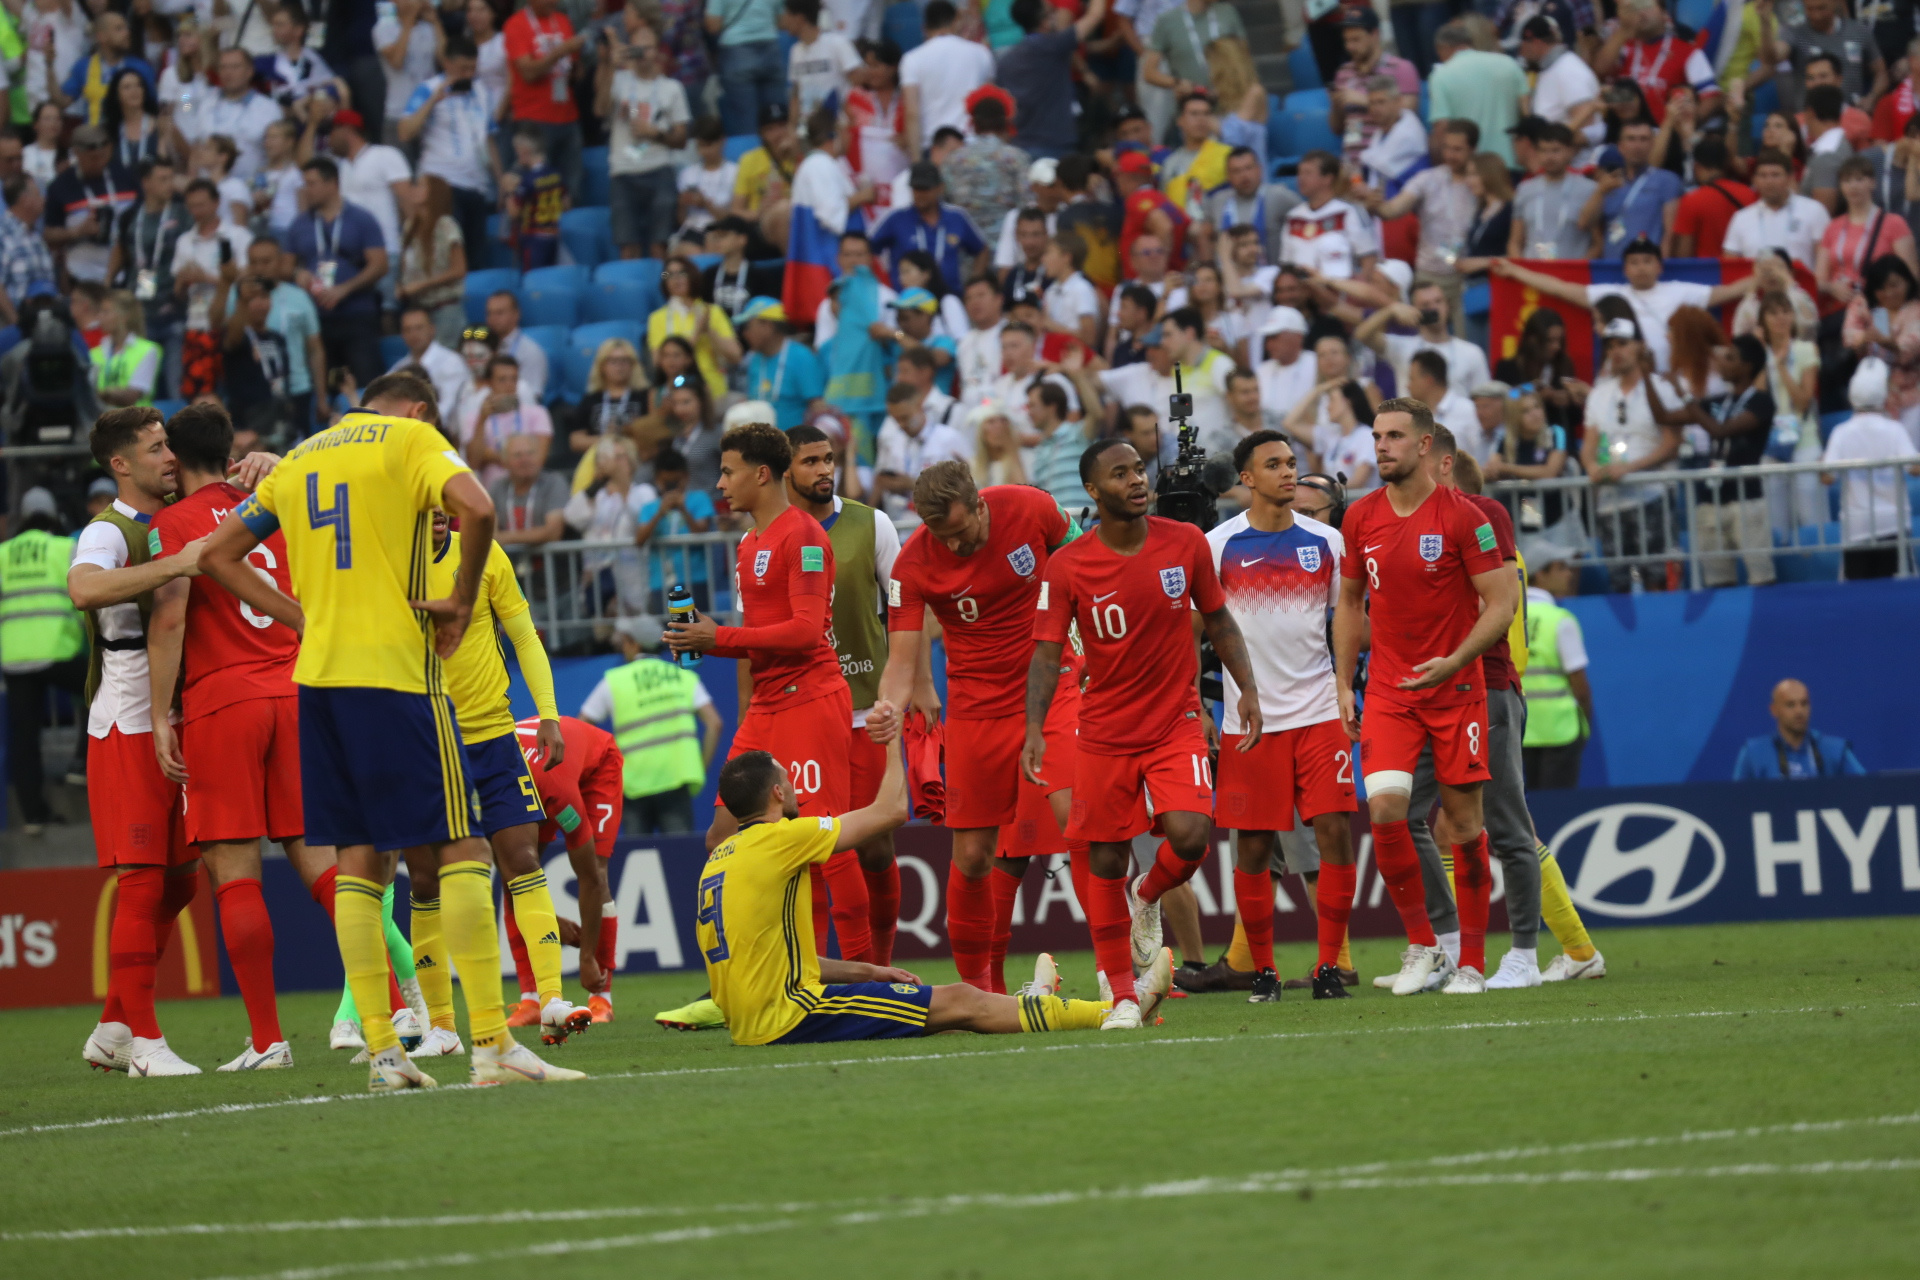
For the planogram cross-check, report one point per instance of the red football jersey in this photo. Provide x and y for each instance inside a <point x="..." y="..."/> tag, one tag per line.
<point x="1132" y="612"/>
<point x="231" y="652"/>
<point x="1421" y="600"/>
<point x="790" y="559"/>
<point x="1497" y="662"/>
<point x="984" y="601"/>
<point x="559" y="787"/>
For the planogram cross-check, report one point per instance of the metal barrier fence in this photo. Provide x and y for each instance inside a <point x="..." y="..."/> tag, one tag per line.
<point x="1700" y="527"/>
<point x="580" y="589"/>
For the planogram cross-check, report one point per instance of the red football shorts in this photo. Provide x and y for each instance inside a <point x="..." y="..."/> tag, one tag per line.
<point x="810" y="739"/>
<point x="1309" y="768"/>
<point x="1112" y="793"/>
<point x="983" y="771"/>
<point x="604" y="789"/>
<point x="243" y="772"/>
<point x="866" y="765"/>
<point x="137" y="819"/>
<point x="1392" y="735"/>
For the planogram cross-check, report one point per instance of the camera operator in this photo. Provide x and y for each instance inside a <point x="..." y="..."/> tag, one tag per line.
<point x="46" y="379"/>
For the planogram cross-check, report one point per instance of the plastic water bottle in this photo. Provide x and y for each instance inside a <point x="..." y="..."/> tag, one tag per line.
<point x="680" y="609"/>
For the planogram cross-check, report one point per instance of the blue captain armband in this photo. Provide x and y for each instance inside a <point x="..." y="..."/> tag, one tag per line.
<point x="257" y="518"/>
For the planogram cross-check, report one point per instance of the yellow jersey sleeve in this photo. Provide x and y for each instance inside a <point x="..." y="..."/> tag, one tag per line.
<point x="805" y="841"/>
<point x="476" y="674"/>
<point x="1517" y="631"/>
<point x="501" y="585"/>
<point x="430" y="461"/>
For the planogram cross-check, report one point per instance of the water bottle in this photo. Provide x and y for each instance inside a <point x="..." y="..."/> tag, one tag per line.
<point x="680" y="609"/>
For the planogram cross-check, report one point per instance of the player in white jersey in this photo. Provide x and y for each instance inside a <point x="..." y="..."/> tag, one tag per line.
<point x="1281" y="572"/>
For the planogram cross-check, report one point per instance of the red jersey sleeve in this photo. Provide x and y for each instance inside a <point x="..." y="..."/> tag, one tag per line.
<point x="169" y="527"/>
<point x="1053" y="612"/>
<point x="1208" y="594"/>
<point x="809" y="560"/>
<point x="518" y="34"/>
<point x="906" y="606"/>
<point x="1480" y="549"/>
<point x="1686" y="218"/>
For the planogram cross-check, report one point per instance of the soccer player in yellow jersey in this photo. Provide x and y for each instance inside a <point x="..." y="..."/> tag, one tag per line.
<point x="381" y="764"/>
<point x="510" y="808"/>
<point x="755" y="928"/>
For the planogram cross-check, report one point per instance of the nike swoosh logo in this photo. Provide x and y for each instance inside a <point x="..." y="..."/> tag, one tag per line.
<point x="1110" y="595"/>
<point x="535" y="1076"/>
<point x="962" y="591"/>
<point x="1248" y="564"/>
<point x="1375" y="547"/>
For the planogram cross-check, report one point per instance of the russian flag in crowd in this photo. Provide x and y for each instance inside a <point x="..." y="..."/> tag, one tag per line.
<point x="813" y="261"/>
<point x="1512" y="302"/>
<point x="1721" y="32"/>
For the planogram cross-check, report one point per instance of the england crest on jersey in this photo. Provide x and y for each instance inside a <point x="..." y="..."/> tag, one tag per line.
<point x="761" y="560"/>
<point x="1173" y="582"/>
<point x="1021" y="558"/>
<point x="1430" y="546"/>
<point x="1309" y="558"/>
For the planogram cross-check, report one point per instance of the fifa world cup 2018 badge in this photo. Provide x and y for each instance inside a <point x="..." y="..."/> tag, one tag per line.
<point x="1022" y="560"/>
<point x="1174" y="582"/>
<point x="1430" y="546"/>
<point x="1309" y="558"/>
<point x="760" y="561"/>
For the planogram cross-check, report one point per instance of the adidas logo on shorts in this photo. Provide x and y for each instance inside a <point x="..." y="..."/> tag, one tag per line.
<point x="551" y="937"/>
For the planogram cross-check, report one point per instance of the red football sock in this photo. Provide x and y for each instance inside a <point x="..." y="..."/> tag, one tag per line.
<point x="322" y="889"/>
<point x="175" y="894"/>
<point x="848" y="889"/>
<point x="249" y="936"/>
<point x="969" y="925"/>
<point x="132" y="948"/>
<point x="1473" y="883"/>
<point x="604" y="953"/>
<point x="883" y="910"/>
<point x="1253" y="895"/>
<point x="1082" y="873"/>
<point x="522" y="966"/>
<point x="1333" y="899"/>
<point x="822" y="909"/>
<point x="1399" y="865"/>
<point x="1005" y="880"/>
<point x="1169" y="871"/>
<point x="1111" y="926"/>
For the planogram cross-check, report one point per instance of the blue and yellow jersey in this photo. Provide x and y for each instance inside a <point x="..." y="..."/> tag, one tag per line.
<point x="755" y="926"/>
<point x="354" y="503"/>
<point x="476" y="674"/>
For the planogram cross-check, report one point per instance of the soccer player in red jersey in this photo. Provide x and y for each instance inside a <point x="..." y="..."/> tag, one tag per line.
<point x="583" y="797"/>
<point x="1423" y="574"/>
<point x="1129" y="587"/>
<point x="237" y="750"/>
<point x="977" y="563"/>
<point x="800" y="708"/>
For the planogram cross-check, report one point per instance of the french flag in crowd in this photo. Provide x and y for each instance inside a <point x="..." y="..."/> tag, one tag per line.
<point x="813" y="261"/>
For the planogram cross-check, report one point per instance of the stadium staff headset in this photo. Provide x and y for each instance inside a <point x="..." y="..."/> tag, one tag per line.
<point x="1335" y="487"/>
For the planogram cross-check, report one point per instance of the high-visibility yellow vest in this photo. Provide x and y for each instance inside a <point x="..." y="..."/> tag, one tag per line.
<point x="1553" y="716"/>
<point x="38" y="624"/>
<point x="654" y="726"/>
<point x="114" y="371"/>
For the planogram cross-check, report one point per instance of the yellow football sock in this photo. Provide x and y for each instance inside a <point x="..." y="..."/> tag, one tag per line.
<point x="1239" y="954"/>
<point x="473" y="940"/>
<point x="1345" y="960"/>
<point x="430" y="964"/>
<point x="1051" y="1013"/>
<point x="533" y="911"/>
<point x="363" y="953"/>
<point x="1557" y="910"/>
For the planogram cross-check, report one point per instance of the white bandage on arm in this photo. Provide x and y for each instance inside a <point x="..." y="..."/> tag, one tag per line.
<point x="1389" y="782"/>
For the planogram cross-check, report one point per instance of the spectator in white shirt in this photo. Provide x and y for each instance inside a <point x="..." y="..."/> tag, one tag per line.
<point x="1870" y="512"/>
<point x="1043" y="178"/>
<point x="608" y="510"/>
<point x="1285" y="372"/>
<point x="1401" y="142"/>
<point x="408" y="40"/>
<point x="1428" y="380"/>
<point x="499" y="418"/>
<point x="452" y="115"/>
<point x="937" y="77"/>
<point x="1780" y="219"/>
<point x="1071" y="305"/>
<point x="238" y="112"/>
<point x="1427" y="311"/>
<point x="375" y="177"/>
<point x="819" y="62"/>
<point x="443" y="367"/>
<point x="1148" y="256"/>
<point x="979" y="361"/>
<point x="503" y="318"/>
<point x="907" y="445"/>
<point x="649" y="119"/>
<point x="1565" y="91"/>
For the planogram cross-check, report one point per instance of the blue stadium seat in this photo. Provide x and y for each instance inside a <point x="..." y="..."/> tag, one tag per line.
<point x="393" y="349"/>
<point x="1694" y="13"/>
<point x="168" y="408"/>
<point x="1819" y="566"/>
<point x="553" y="340"/>
<point x="594" y="183"/>
<point x="618" y="298"/>
<point x="1280" y="149"/>
<point x="771" y="264"/>
<point x="901" y="24"/>
<point x="481" y="283"/>
<point x="1477" y="300"/>
<point x="1304" y="71"/>
<point x="496" y="254"/>
<point x="705" y="260"/>
<point x="585" y="341"/>
<point x="587" y="236"/>
<point x="1762" y="101"/>
<point x="739" y="144"/>
<point x="644" y="271"/>
<point x="551" y="295"/>
<point x="1306" y="125"/>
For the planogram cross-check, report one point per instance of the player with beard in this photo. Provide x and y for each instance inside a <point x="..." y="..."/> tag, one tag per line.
<point x="1129" y="588"/>
<point x="1424" y="562"/>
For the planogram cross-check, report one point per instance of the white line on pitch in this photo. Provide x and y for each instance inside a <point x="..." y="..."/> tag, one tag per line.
<point x="525" y="1216"/>
<point x="882" y="1059"/>
<point x="1260" y="1183"/>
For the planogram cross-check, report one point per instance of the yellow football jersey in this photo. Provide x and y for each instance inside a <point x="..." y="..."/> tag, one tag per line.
<point x="354" y="504"/>
<point x="755" y="926"/>
<point x="476" y="674"/>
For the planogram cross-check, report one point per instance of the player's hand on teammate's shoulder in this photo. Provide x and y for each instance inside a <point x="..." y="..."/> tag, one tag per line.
<point x="883" y="722"/>
<point x="450" y="619"/>
<point x="552" y="744"/>
<point x="696" y="635"/>
<point x="251" y="470"/>
<point x="186" y="561"/>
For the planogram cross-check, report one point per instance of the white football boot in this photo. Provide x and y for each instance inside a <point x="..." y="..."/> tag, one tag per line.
<point x="107" y="1046"/>
<point x="1565" y="968"/>
<point x="276" y="1056"/>
<point x="1417" y="965"/>
<point x="439" y="1043"/>
<point x="1517" y="969"/>
<point x="1464" y="981"/>
<point x="516" y="1065"/>
<point x="560" y="1019"/>
<point x="1145" y="936"/>
<point x="154" y="1058"/>
<point x="346" y="1035"/>
<point x="390" y="1071"/>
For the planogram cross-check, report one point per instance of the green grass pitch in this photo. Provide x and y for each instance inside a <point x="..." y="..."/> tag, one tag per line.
<point x="1731" y="1101"/>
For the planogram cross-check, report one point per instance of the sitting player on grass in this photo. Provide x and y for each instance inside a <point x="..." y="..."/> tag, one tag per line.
<point x="755" y="928"/>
